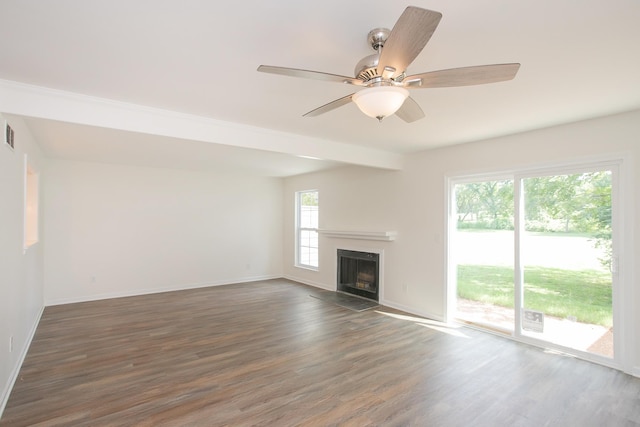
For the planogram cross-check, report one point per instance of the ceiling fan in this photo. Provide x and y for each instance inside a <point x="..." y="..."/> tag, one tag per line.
<point x="383" y="74"/>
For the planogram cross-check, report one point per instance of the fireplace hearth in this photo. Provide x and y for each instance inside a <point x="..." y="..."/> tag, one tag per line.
<point x="358" y="273"/>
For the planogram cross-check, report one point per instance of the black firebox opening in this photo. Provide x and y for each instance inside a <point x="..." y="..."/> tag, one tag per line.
<point x="358" y="273"/>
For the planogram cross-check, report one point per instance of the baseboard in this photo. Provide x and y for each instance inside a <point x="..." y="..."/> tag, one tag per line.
<point x="383" y="302"/>
<point x="16" y="369"/>
<point x="636" y="371"/>
<point x="411" y="310"/>
<point x="310" y="283"/>
<point x="138" y="292"/>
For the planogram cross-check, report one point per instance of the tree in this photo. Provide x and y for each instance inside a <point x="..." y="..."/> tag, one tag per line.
<point x="309" y="198"/>
<point x="549" y="198"/>
<point x="489" y="203"/>
<point x="597" y="213"/>
<point x="580" y="202"/>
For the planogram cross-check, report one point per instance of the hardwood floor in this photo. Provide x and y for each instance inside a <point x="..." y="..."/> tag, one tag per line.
<point x="267" y="354"/>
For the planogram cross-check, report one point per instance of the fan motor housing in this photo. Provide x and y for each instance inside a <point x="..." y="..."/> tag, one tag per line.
<point x="367" y="68"/>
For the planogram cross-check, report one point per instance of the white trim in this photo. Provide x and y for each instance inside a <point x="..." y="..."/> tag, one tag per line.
<point x="306" y="267"/>
<point x="450" y="285"/>
<point x="474" y="175"/>
<point x="360" y="235"/>
<point x="518" y="267"/>
<point x="411" y="310"/>
<point x="16" y="370"/>
<point x="309" y="282"/>
<point x="137" y="292"/>
<point x="299" y="228"/>
<point x="625" y="340"/>
<point x="383" y="302"/>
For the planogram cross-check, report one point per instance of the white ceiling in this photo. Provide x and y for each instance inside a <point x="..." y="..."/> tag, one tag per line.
<point x="580" y="59"/>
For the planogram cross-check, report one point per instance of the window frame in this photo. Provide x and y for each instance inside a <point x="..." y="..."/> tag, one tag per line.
<point x="621" y="282"/>
<point x="299" y="230"/>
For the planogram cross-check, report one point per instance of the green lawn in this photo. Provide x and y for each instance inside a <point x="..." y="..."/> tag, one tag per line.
<point x="585" y="295"/>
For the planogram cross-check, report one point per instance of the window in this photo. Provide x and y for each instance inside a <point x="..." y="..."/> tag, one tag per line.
<point x="307" y="229"/>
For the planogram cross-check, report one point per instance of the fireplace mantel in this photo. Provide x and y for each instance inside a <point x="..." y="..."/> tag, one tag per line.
<point x="360" y="235"/>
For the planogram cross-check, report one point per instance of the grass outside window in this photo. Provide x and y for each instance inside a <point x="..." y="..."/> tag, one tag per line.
<point x="585" y="295"/>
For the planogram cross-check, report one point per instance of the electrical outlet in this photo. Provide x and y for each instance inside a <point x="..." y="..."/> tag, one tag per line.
<point x="405" y="288"/>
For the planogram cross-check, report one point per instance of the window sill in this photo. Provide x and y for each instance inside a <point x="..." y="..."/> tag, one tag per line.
<point x="306" y="267"/>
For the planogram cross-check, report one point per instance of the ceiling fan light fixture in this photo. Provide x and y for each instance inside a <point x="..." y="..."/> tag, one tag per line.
<point x="380" y="101"/>
<point x="382" y="75"/>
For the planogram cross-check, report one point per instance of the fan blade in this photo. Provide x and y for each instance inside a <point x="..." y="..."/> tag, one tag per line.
<point x="466" y="76"/>
<point x="330" y="106"/>
<point x="408" y="37"/>
<point x="317" y="75"/>
<point x="410" y="111"/>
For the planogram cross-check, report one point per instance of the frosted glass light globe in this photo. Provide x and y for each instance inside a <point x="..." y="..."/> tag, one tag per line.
<point x="380" y="101"/>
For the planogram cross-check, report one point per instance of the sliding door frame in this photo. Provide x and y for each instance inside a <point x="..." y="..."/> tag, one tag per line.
<point x="624" y="342"/>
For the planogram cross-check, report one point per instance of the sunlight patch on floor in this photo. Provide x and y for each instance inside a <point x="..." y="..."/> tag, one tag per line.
<point x="452" y="330"/>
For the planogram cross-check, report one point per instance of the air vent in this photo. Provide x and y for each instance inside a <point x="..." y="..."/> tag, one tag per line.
<point x="368" y="74"/>
<point x="8" y="134"/>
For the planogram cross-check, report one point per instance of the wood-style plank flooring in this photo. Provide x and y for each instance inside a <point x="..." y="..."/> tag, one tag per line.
<point x="267" y="354"/>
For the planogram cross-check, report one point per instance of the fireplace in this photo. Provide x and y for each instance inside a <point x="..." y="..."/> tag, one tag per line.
<point x="358" y="273"/>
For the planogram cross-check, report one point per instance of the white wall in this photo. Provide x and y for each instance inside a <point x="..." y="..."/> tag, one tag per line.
<point x="121" y="230"/>
<point x="350" y="198"/>
<point x="414" y="202"/>
<point x="21" y="274"/>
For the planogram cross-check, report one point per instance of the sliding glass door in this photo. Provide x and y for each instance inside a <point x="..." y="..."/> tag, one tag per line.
<point x="532" y="255"/>
<point x="483" y="255"/>
<point x="566" y="257"/>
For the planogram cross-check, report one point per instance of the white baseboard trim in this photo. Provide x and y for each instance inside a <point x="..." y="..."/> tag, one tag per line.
<point x="310" y="283"/>
<point x="383" y="302"/>
<point x="16" y="369"/>
<point x="411" y="310"/>
<point x="636" y="371"/>
<point x="138" y="292"/>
